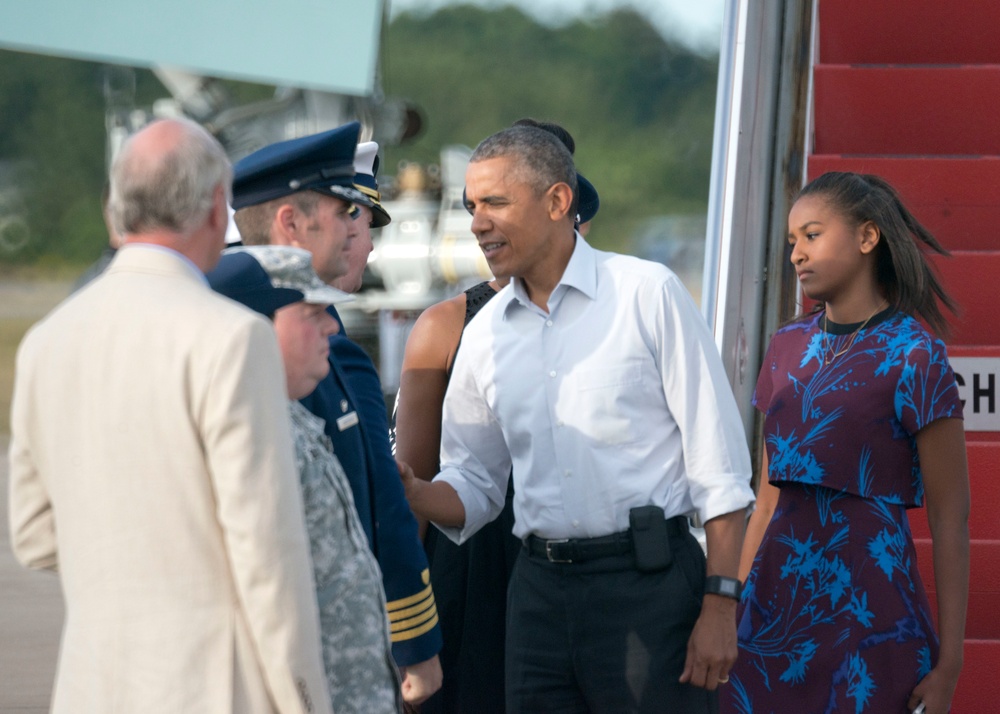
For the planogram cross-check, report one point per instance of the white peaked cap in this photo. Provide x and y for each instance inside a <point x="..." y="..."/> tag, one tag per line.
<point x="232" y="232"/>
<point x="364" y="158"/>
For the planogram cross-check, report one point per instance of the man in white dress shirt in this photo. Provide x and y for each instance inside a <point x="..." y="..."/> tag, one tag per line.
<point x="595" y="377"/>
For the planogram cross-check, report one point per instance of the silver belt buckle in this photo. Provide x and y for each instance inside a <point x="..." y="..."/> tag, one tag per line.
<point x="548" y="550"/>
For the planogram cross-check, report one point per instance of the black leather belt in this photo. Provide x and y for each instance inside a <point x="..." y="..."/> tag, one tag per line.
<point x="580" y="550"/>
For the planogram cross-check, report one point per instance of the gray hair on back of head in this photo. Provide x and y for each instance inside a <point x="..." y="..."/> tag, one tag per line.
<point x="175" y="191"/>
<point x="541" y="159"/>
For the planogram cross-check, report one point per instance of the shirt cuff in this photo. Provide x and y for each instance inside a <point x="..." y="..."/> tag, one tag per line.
<point x="734" y="494"/>
<point x="478" y="511"/>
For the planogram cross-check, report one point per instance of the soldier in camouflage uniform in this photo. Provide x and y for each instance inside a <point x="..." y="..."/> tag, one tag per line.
<point x="280" y="282"/>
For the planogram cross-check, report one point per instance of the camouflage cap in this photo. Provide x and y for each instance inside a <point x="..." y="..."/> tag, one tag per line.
<point x="268" y="277"/>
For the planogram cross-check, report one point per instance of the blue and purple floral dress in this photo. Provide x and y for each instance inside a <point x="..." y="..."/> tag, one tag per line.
<point x="834" y="616"/>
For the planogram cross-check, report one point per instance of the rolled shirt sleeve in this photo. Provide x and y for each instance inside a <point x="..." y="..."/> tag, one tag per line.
<point x="474" y="455"/>
<point x="701" y="401"/>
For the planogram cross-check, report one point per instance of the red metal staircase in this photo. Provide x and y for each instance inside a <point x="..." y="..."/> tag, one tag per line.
<point x="910" y="90"/>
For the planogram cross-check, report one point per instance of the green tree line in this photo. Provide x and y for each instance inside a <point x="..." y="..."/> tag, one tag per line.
<point x="639" y="106"/>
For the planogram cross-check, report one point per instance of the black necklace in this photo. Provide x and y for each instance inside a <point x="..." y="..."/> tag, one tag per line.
<point x="829" y="355"/>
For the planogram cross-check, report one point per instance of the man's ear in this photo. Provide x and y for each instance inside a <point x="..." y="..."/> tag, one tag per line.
<point x="560" y="198"/>
<point x="285" y="226"/>
<point x="219" y="215"/>
<point x="870" y="237"/>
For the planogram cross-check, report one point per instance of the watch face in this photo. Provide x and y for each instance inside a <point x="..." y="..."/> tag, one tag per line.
<point x="719" y="585"/>
<point x="728" y="587"/>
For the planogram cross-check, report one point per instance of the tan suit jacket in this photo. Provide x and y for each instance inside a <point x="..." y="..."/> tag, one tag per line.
<point x="152" y="466"/>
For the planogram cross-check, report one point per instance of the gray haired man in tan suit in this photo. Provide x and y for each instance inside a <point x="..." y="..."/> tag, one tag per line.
<point x="152" y="465"/>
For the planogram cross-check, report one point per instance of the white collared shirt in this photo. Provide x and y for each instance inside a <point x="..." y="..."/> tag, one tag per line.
<point x="616" y="398"/>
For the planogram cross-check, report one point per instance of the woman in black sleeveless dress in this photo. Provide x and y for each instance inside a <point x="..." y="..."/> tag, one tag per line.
<point x="470" y="580"/>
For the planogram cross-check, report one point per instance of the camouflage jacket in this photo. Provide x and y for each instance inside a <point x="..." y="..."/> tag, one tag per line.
<point x="357" y="652"/>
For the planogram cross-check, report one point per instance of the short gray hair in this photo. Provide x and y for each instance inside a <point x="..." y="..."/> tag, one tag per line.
<point x="175" y="191"/>
<point x="541" y="160"/>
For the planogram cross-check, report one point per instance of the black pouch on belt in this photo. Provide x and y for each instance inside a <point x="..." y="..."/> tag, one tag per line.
<point x="649" y="539"/>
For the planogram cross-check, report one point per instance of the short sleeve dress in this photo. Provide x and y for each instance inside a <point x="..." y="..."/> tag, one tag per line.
<point x="834" y="616"/>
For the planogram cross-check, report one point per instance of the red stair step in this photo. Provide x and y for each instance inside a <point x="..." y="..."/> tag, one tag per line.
<point x="906" y="110"/>
<point x="970" y="278"/>
<point x="984" y="469"/>
<point x="978" y="689"/>
<point x="981" y="620"/>
<point x="956" y="199"/>
<point x="912" y="32"/>
<point x="984" y="566"/>
<point x="974" y="351"/>
<point x="984" y="585"/>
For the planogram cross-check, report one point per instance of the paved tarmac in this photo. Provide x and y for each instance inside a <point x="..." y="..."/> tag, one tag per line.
<point x="31" y="615"/>
<point x="31" y="605"/>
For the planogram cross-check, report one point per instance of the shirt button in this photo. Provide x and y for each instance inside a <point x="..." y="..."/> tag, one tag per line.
<point x="576" y="524"/>
<point x="568" y="473"/>
<point x="548" y="323"/>
<point x="552" y="373"/>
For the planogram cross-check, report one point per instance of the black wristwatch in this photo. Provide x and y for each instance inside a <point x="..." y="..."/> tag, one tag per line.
<point x="720" y="585"/>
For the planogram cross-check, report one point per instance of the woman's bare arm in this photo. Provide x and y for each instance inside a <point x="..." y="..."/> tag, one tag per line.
<point x="767" y="500"/>
<point x="429" y="352"/>
<point x="941" y="447"/>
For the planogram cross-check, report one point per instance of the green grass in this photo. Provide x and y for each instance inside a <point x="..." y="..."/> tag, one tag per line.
<point x="11" y="332"/>
<point x="47" y="269"/>
<point x="26" y="295"/>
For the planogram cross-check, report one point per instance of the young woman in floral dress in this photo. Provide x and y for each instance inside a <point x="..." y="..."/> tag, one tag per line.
<point x="862" y="421"/>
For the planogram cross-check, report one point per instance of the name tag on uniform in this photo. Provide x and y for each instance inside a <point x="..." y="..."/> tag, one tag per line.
<point x="347" y="421"/>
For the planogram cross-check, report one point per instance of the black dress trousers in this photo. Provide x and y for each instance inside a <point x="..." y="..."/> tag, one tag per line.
<point x="600" y="637"/>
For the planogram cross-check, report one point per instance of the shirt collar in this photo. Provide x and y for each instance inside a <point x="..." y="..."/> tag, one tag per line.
<point x="580" y="274"/>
